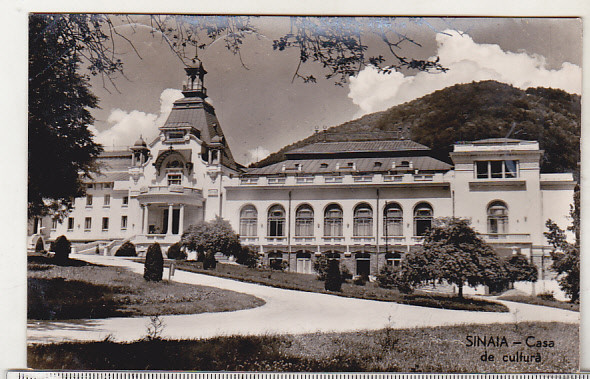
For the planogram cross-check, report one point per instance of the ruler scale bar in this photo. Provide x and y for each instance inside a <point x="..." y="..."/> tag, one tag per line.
<point x="30" y="374"/>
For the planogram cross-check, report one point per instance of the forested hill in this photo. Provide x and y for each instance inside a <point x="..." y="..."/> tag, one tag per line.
<point x="467" y="112"/>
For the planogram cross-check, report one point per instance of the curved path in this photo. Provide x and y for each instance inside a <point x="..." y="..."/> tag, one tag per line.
<point x="285" y="311"/>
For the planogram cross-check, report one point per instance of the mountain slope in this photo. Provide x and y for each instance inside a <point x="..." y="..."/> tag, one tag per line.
<point x="467" y="112"/>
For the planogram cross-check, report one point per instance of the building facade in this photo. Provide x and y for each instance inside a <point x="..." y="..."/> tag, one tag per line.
<point x="365" y="202"/>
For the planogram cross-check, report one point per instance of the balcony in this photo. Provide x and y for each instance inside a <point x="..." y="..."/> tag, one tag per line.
<point x="304" y="240"/>
<point x="276" y="240"/>
<point x="363" y="239"/>
<point x="333" y="239"/>
<point x="394" y="240"/>
<point x="249" y="240"/>
<point x="507" y="237"/>
<point x="363" y="179"/>
<point x="333" y="179"/>
<point x="170" y="194"/>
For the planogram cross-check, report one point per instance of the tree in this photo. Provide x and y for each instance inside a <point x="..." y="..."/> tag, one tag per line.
<point x="565" y="255"/>
<point x="336" y="44"/>
<point x="216" y="235"/>
<point x="453" y="251"/>
<point x="520" y="269"/>
<point x="154" y="263"/>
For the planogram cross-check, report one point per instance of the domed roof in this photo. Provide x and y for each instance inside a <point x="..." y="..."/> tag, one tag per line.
<point x="140" y="142"/>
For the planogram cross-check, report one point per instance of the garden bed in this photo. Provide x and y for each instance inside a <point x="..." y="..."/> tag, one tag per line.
<point x="370" y="291"/>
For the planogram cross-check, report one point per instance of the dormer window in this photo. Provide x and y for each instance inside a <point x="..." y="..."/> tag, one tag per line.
<point x="175" y="135"/>
<point x="378" y="164"/>
<point x="324" y="165"/>
<point x="405" y="164"/>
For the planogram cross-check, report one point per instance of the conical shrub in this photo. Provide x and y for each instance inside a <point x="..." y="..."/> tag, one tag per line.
<point x="154" y="263"/>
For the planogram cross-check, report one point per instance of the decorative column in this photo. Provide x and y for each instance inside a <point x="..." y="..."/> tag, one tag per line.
<point x="145" y="219"/>
<point x="181" y="220"/>
<point x="169" y="226"/>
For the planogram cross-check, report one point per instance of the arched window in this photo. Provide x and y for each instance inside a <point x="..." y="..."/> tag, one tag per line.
<point x="422" y="218"/>
<point x="304" y="221"/>
<point x="363" y="221"/>
<point x="393" y="221"/>
<point x="276" y="221"/>
<point x="333" y="221"/>
<point x="497" y="217"/>
<point x="275" y="260"/>
<point x="248" y="221"/>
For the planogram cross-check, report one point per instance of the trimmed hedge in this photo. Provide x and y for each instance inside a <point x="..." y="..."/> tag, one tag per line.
<point x="126" y="250"/>
<point x="154" y="263"/>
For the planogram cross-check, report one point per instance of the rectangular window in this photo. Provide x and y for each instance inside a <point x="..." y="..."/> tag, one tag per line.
<point x="105" y="224"/>
<point x="70" y="224"/>
<point x="88" y="200"/>
<point x="496" y="169"/>
<point x="125" y="200"/>
<point x="107" y="185"/>
<point x="175" y="135"/>
<point x="107" y="200"/>
<point x="510" y="169"/>
<point x="54" y="224"/>
<point x="174" y="179"/>
<point x="87" y="224"/>
<point x="123" y="222"/>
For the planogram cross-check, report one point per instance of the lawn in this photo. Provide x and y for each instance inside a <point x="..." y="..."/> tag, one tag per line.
<point x="535" y="300"/>
<point x="309" y="283"/>
<point x="438" y="349"/>
<point x="82" y="290"/>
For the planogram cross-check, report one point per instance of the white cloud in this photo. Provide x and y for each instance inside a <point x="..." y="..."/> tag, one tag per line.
<point x="257" y="154"/>
<point x="467" y="61"/>
<point x="126" y="127"/>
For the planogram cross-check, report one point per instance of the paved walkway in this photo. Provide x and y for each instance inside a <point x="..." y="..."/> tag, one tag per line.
<point x="285" y="311"/>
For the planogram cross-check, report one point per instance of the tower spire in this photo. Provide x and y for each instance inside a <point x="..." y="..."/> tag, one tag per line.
<point x="196" y="78"/>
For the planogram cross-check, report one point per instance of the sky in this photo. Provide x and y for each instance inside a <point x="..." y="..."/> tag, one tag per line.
<point x="261" y="108"/>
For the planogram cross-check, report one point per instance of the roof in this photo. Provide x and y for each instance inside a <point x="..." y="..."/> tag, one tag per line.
<point x="496" y="141"/>
<point x="197" y="114"/>
<point x="114" y="160"/>
<point x="107" y="177"/>
<point x="379" y="164"/>
<point x="360" y="146"/>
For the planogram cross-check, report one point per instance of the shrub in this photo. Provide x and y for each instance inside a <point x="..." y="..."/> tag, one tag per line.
<point x="209" y="261"/>
<point x="62" y="249"/>
<point x="321" y="267"/>
<point x="175" y="252"/>
<point x="345" y="273"/>
<point x="154" y="263"/>
<point x="393" y="277"/>
<point x="39" y="245"/>
<point x="359" y="280"/>
<point x="278" y="265"/>
<point x="97" y="250"/>
<point x="546" y="296"/>
<point x="333" y="277"/>
<point x="216" y="235"/>
<point x="126" y="250"/>
<point x="247" y="257"/>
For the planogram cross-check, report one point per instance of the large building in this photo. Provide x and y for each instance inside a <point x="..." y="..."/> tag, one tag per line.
<point x="367" y="203"/>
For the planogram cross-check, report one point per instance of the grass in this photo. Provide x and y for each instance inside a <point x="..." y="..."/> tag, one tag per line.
<point x="370" y="291"/>
<point x="439" y="349"/>
<point x="535" y="300"/>
<point x="82" y="290"/>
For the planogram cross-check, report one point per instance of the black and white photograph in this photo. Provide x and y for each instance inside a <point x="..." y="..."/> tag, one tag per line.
<point x="303" y="193"/>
